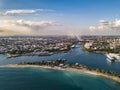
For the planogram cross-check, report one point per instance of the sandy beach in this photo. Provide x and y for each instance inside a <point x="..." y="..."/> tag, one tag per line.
<point x="68" y="69"/>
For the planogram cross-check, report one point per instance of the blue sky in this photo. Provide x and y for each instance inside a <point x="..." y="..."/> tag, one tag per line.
<point x="60" y="16"/>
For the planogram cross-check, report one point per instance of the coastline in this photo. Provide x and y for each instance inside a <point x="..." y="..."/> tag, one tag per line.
<point x="68" y="69"/>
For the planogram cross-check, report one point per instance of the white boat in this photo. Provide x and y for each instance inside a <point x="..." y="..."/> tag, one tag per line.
<point x="109" y="60"/>
<point x="113" y="57"/>
<point x="11" y="55"/>
<point x="109" y="57"/>
<point x="73" y="46"/>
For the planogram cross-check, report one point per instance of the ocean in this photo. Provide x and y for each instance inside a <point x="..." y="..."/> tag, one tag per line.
<point x="45" y="79"/>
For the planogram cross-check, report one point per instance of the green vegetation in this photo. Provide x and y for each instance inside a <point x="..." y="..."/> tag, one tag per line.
<point x="47" y="63"/>
<point x="63" y="64"/>
<point x="111" y="73"/>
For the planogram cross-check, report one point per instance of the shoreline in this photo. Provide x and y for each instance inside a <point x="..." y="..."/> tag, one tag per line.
<point x="68" y="69"/>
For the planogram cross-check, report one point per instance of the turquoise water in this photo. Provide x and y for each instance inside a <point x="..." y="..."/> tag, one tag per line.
<point x="45" y="79"/>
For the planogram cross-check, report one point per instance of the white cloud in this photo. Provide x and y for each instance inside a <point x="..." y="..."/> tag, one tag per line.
<point x="103" y="22"/>
<point x="19" y="11"/>
<point x="30" y="24"/>
<point x="24" y="11"/>
<point x="104" y="25"/>
<point x="24" y="27"/>
<point x="116" y="24"/>
<point x="92" y="28"/>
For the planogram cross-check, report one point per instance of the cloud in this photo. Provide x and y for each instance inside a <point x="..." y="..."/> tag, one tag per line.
<point x="30" y="24"/>
<point x="24" y="11"/>
<point x="103" y="22"/>
<point x="102" y="25"/>
<point x="25" y="27"/>
<point x="19" y="11"/>
<point x="106" y="27"/>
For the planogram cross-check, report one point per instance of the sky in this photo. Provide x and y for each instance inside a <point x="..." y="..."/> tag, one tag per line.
<point x="59" y="17"/>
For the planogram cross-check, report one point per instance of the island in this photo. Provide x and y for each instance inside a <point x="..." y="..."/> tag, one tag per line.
<point x="62" y="64"/>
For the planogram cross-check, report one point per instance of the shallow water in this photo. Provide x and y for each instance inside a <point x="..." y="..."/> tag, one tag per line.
<point x="45" y="79"/>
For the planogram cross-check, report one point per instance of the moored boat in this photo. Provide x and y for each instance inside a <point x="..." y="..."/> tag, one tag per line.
<point x="111" y="57"/>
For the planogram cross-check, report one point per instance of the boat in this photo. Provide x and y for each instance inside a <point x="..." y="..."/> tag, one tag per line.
<point x="73" y="46"/>
<point x="11" y="55"/>
<point x="109" y="60"/>
<point x="111" y="57"/>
